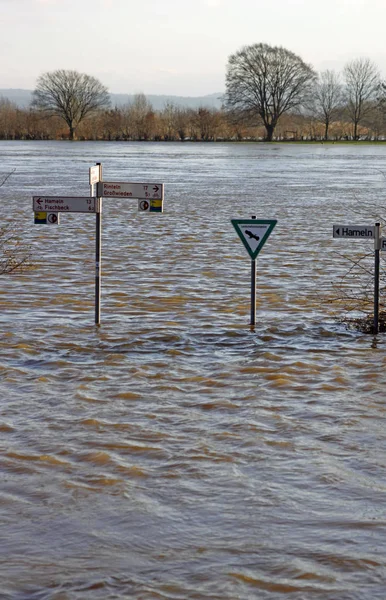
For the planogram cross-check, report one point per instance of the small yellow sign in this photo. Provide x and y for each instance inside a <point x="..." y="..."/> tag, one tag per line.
<point x="41" y="217"/>
<point x="156" y="205"/>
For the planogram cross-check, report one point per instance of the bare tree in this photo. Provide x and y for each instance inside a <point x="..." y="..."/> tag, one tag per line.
<point x="328" y="99"/>
<point x="266" y="81"/>
<point x="70" y="95"/>
<point x="362" y="84"/>
<point x="14" y="253"/>
<point x="141" y="116"/>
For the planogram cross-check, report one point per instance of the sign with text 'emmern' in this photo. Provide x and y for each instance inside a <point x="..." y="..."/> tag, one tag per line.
<point x="253" y="233"/>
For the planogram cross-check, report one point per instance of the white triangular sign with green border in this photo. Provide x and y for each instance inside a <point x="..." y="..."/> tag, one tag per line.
<point x="253" y="233"/>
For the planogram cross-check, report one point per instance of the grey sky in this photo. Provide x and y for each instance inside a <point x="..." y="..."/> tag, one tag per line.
<point x="178" y="46"/>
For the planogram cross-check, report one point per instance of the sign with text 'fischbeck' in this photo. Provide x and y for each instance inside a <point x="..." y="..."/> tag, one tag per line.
<point x="64" y="204"/>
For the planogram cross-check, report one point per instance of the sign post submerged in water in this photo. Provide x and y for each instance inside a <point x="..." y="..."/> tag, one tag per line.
<point x="253" y="233"/>
<point x="361" y="232"/>
<point x="47" y="209"/>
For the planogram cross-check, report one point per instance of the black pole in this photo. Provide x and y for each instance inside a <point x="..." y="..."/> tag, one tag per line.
<point x="253" y="293"/>
<point x="253" y="289"/>
<point x="376" y="278"/>
<point x="98" y="255"/>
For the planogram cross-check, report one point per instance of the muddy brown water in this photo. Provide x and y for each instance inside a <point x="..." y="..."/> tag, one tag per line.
<point x="173" y="453"/>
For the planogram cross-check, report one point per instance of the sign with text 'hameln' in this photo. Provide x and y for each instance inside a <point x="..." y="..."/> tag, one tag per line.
<point x="253" y="233"/>
<point x="55" y="204"/>
<point x="353" y="231"/>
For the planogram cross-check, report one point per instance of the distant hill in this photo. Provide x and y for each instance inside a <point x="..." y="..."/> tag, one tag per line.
<point x="20" y="97"/>
<point x="23" y="98"/>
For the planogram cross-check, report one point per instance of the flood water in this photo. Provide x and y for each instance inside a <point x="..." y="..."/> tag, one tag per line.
<point x="173" y="453"/>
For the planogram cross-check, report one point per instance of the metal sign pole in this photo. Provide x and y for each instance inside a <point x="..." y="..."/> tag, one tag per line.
<point x="377" y="246"/>
<point x="253" y="293"/>
<point x="98" y="255"/>
<point x="253" y="289"/>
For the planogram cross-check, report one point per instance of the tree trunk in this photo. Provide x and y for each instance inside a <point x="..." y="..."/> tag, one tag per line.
<point x="326" y="130"/>
<point x="270" y="129"/>
<point x="72" y="133"/>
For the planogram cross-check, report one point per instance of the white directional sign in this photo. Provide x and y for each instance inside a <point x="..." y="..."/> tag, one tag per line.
<point x="141" y="191"/>
<point x="353" y="231"/>
<point x="253" y="233"/>
<point x="56" y="204"/>
<point x="95" y="174"/>
<point x="382" y="243"/>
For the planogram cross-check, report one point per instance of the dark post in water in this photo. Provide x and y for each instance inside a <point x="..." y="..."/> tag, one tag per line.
<point x="253" y="289"/>
<point x="98" y="255"/>
<point x="377" y="246"/>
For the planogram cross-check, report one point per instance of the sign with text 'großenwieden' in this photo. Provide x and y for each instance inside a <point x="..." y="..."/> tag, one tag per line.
<point x="140" y="191"/>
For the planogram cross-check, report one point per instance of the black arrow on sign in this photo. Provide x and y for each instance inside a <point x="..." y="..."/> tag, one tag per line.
<point x="156" y="188"/>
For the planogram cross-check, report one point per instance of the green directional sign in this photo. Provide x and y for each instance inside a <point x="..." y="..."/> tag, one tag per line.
<point x="253" y="233"/>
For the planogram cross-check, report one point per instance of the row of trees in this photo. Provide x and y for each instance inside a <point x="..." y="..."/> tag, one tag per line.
<point x="270" y="93"/>
<point x="138" y="121"/>
<point x="272" y="81"/>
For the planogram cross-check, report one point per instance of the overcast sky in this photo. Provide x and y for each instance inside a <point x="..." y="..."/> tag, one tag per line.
<point x="179" y="47"/>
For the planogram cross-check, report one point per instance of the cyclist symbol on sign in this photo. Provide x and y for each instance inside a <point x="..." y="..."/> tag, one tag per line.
<point x="52" y="218"/>
<point x="144" y="205"/>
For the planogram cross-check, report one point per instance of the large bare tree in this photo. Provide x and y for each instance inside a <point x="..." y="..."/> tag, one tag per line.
<point x="328" y="99"/>
<point x="266" y="81"/>
<point x="362" y="84"/>
<point x="70" y="95"/>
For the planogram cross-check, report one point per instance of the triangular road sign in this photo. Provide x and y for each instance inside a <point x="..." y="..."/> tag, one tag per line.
<point x="253" y="233"/>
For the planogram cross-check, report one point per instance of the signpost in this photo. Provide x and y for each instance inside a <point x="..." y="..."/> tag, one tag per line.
<point x="253" y="234"/>
<point x="362" y="232"/>
<point x="64" y="204"/>
<point x="353" y="231"/>
<point x="47" y="210"/>
<point x="141" y="191"/>
<point x="94" y="174"/>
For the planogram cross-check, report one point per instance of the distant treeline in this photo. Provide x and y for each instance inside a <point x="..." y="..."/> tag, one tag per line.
<point x="138" y="121"/>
